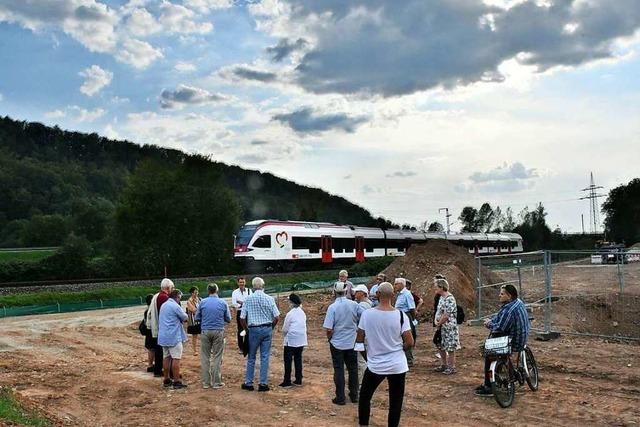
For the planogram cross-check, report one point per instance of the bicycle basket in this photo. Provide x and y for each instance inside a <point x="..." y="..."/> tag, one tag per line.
<point x="497" y="346"/>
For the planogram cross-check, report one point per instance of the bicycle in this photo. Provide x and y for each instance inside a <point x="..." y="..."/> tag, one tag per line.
<point x="504" y="376"/>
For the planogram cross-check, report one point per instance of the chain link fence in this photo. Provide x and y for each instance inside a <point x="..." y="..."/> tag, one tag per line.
<point x="592" y="293"/>
<point x="128" y="302"/>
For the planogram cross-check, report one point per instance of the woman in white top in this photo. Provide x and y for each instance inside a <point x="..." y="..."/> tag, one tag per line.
<point x="294" y="330"/>
<point x="384" y="334"/>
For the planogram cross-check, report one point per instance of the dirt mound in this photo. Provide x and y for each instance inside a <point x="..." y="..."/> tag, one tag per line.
<point x="424" y="261"/>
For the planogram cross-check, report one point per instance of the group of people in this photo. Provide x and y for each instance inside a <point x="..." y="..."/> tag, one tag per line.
<point x="371" y="332"/>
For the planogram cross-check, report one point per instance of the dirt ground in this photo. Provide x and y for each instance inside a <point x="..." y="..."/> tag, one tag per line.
<point x="89" y="369"/>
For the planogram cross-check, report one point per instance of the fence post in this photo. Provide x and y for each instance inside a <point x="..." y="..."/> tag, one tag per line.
<point x="4" y="307"/>
<point x="479" y="280"/>
<point x="519" y="281"/>
<point x="621" y="273"/>
<point x="547" y="282"/>
<point x="58" y="304"/>
<point x="101" y="306"/>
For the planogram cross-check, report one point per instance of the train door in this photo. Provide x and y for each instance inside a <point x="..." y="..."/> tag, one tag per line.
<point x="359" y="248"/>
<point x="325" y="247"/>
<point x="282" y="245"/>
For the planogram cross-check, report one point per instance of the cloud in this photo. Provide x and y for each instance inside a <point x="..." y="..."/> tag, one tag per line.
<point x="284" y="48"/>
<point x="84" y="115"/>
<point x="347" y="176"/>
<point x="179" y="19"/>
<point x="187" y="132"/>
<point x="259" y="142"/>
<point x="138" y="54"/>
<point x="188" y="95"/>
<point x="504" y="178"/>
<point x="206" y="6"/>
<point x="95" y="78"/>
<point x="306" y="121"/>
<point x="505" y="172"/>
<point x="358" y="47"/>
<point x="141" y="23"/>
<point x="252" y="158"/>
<point x="1" y="97"/>
<point x="246" y="72"/>
<point x="184" y="67"/>
<point x="55" y="114"/>
<point x="367" y="189"/>
<point x="401" y="174"/>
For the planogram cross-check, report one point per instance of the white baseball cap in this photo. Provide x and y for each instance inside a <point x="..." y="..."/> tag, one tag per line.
<point x="340" y="287"/>
<point x="361" y="288"/>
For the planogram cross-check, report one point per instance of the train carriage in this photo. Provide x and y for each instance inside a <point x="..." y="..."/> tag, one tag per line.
<point x="287" y="243"/>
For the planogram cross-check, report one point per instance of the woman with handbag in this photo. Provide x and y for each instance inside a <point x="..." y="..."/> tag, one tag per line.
<point x="193" y="326"/>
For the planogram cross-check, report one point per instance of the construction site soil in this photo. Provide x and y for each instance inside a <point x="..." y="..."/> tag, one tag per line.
<point x="89" y="369"/>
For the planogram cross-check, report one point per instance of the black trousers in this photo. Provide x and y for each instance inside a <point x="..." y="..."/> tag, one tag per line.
<point x="370" y="383"/>
<point x="295" y="354"/>
<point x="240" y="339"/>
<point x="157" y="352"/>
<point x="341" y="358"/>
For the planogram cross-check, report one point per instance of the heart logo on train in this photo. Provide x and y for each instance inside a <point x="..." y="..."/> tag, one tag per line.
<point x="281" y="238"/>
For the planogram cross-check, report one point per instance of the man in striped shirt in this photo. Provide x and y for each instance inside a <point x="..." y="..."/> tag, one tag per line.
<point x="511" y="320"/>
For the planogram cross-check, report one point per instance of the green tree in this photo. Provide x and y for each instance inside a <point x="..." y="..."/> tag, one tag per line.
<point x="469" y="219"/>
<point x="622" y="210"/>
<point x="485" y="218"/>
<point x="435" y="227"/>
<point x="534" y="229"/>
<point x="179" y="218"/>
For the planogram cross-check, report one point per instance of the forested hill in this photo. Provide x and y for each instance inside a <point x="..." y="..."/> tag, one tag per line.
<point x="55" y="183"/>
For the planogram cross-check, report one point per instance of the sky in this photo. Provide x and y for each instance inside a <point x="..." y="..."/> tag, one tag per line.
<point x="401" y="107"/>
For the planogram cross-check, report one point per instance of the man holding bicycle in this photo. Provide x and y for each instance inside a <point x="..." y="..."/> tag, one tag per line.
<point x="511" y="320"/>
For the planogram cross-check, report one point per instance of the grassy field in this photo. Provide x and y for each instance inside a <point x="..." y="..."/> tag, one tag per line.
<point x="26" y="255"/>
<point x="13" y="413"/>
<point x="48" y="297"/>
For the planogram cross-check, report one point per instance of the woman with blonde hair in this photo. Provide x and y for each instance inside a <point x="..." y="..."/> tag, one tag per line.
<point x="193" y="326"/>
<point x="446" y="320"/>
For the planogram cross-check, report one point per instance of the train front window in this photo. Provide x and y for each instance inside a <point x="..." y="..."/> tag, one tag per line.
<point x="245" y="234"/>
<point x="262" y="242"/>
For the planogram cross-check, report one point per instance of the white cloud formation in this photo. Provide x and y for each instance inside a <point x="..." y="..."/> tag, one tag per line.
<point x="357" y="47"/>
<point x="185" y="67"/>
<point x="188" y="95"/>
<point x="206" y="6"/>
<point x="137" y="53"/>
<point x="83" y="115"/>
<point x="141" y="23"/>
<point x="505" y="172"/>
<point x="401" y="174"/>
<point x="179" y="19"/>
<point x="307" y="121"/>
<point x="55" y="114"/>
<point x="95" y="78"/>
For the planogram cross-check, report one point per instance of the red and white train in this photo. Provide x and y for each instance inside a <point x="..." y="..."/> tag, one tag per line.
<point x="286" y="243"/>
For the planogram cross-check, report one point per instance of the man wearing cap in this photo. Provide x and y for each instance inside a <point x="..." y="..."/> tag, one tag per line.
<point x="294" y="331"/>
<point x="361" y="298"/>
<point x="342" y="277"/>
<point x="373" y="293"/>
<point x="341" y="324"/>
<point x="405" y="303"/>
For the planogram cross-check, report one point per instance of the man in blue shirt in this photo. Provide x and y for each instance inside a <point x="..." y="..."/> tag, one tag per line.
<point x="406" y="304"/>
<point x="259" y="316"/>
<point x="341" y="324"/>
<point x="171" y="335"/>
<point x="511" y="320"/>
<point x="212" y="314"/>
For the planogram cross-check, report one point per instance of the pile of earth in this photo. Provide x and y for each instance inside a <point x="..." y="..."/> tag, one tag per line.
<point x="423" y="261"/>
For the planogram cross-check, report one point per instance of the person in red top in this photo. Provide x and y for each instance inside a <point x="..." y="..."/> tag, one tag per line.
<point x="166" y="286"/>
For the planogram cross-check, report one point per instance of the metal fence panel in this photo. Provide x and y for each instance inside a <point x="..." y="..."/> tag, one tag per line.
<point x="594" y="293"/>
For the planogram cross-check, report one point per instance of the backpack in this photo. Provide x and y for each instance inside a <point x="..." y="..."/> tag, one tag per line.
<point x="459" y="315"/>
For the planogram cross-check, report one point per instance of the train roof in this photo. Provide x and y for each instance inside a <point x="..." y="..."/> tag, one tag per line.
<point x="393" y="233"/>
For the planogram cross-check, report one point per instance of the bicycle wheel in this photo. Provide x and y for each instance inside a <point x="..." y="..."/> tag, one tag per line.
<point x="503" y="389"/>
<point x="532" y="378"/>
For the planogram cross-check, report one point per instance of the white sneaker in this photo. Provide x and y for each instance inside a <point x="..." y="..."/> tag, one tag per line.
<point x="206" y="386"/>
<point x="218" y="385"/>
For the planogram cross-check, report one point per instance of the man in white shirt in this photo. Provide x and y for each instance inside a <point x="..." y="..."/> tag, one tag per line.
<point x="361" y="298"/>
<point x="237" y="299"/>
<point x="343" y="277"/>
<point x="294" y="332"/>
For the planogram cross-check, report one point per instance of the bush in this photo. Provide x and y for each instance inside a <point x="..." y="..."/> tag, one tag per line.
<point x="370" y="267"/>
